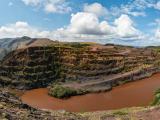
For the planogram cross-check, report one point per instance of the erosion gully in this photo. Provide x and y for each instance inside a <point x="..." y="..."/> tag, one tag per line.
<point x="128" y="95"/>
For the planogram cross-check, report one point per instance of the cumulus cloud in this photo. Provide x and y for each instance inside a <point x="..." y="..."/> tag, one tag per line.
<point x="51" y="6"/>
<point x="83" y="27"/>
<point x="88" y="23"/>
<point x="21" y="29"/>
<point x="96" y="8"/>
<point x="21" y="24"/>
<point x="10" y="4"/>
<point x="86" y="26"/>
<point x="124" y="27"/>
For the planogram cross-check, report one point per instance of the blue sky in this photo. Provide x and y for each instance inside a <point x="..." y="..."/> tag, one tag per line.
<point x="128" y="22"/>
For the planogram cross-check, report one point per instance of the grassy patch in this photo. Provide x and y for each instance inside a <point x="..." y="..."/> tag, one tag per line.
<point x="117" y="112"/>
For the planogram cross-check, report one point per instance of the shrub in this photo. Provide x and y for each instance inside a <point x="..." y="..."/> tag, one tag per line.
<point x="82" y="110"/>
<point x="109" y="44"/>
<point x="117" y="112"/>
<point x="14" y="94"/>
<point x="78" y="81"/>
<point x="77" y="52"/>
<point x="107" y="58"/>
<point x="61" y="92"/>
<point x="148" y="63"/>
<point x="122" y="82"/>
<point x="158" y="103"/>
<point x="62" y="80"/>
<point x="54" y="48"/>
<point x="142" y="105"/>
<point x="155" y="100"/>
<point x="57" y="72"/>
<point x="157" y="91"/>
<point x="154" y="54"/>
<point x="80" y="91"/>
<point x="84" y="64"/>
<point x="156" y="63"/>
<point x="79" y="45"/>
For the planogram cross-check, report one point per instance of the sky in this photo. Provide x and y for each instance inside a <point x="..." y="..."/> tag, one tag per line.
<point x="125" y="22"/>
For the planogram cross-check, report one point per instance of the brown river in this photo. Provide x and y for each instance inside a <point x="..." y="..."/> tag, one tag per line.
<point x="128" y="95"/>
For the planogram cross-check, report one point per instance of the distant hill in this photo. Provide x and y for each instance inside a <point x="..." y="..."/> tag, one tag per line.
<point x="9" y="44"/>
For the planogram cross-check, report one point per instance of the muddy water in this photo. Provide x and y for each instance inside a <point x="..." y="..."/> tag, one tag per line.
<point x="128" y="95"/>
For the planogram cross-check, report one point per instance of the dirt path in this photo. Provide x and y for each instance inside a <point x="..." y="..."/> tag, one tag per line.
<point x="101" y="47"/>
<point x="125" y="52"/>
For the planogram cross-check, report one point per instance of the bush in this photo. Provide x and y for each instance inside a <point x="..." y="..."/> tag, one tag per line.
<point x="155" y="100"/>
<point x="82" y="110"/>
<point x="78" y="81"/>
<point x="14" y="94"/>
<point x="157" y="91"/>
<point x="116" y="112"/>
<point x="77" y="52"/>
<point x="142" y="105"/>
<point x="61" y="92"/>
<point x="80" y="91"/>
<point x="84" y="64"/>
<point x="158" y="103"/>
<point x="79" y="45"/>
<point x="109" y="44"/>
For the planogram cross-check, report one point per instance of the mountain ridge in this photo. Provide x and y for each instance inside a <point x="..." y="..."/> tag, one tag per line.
<point x="9" y="44"/>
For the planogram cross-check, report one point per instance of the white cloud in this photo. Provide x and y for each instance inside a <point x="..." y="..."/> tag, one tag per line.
<point x="151" y="24"/>
<point x="157" y="23"/>
<point x="10" y="4"/>
<point x="96" y="8"/>
<point x="88" y="23"/>
<point x="21" y="24"/>
<point x="47" y="19"/>
<point x="157" y="35"/>
<point x="51" y="6"/>
<point x="32" y="2"/>
<point x="135" y="8"/>
<point x="20" y="29"/>
<point x="156" y="6"/>
<point x="84" y="27"/>
<point x="124" y="27"/>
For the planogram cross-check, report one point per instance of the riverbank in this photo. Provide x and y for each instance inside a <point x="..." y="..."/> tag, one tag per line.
<point x="128" y="95"/>
<point x="12" y="108"/>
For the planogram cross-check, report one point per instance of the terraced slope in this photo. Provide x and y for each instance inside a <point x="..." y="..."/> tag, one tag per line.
<point x="100" y="69"/>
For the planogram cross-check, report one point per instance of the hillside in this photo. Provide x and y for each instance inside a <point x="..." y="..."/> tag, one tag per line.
<point x="9" y="44"/>
<point x="93" y="68"/>
<point x="85" y="67"/>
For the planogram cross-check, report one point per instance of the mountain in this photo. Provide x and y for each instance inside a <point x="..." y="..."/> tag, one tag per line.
<point x="9" y="44"/>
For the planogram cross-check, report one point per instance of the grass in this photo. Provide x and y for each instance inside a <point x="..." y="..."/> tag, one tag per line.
<point x="117" y="112"/>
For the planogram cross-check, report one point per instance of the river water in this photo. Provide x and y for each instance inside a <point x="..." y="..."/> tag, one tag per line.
<point x="128" y="95"/>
